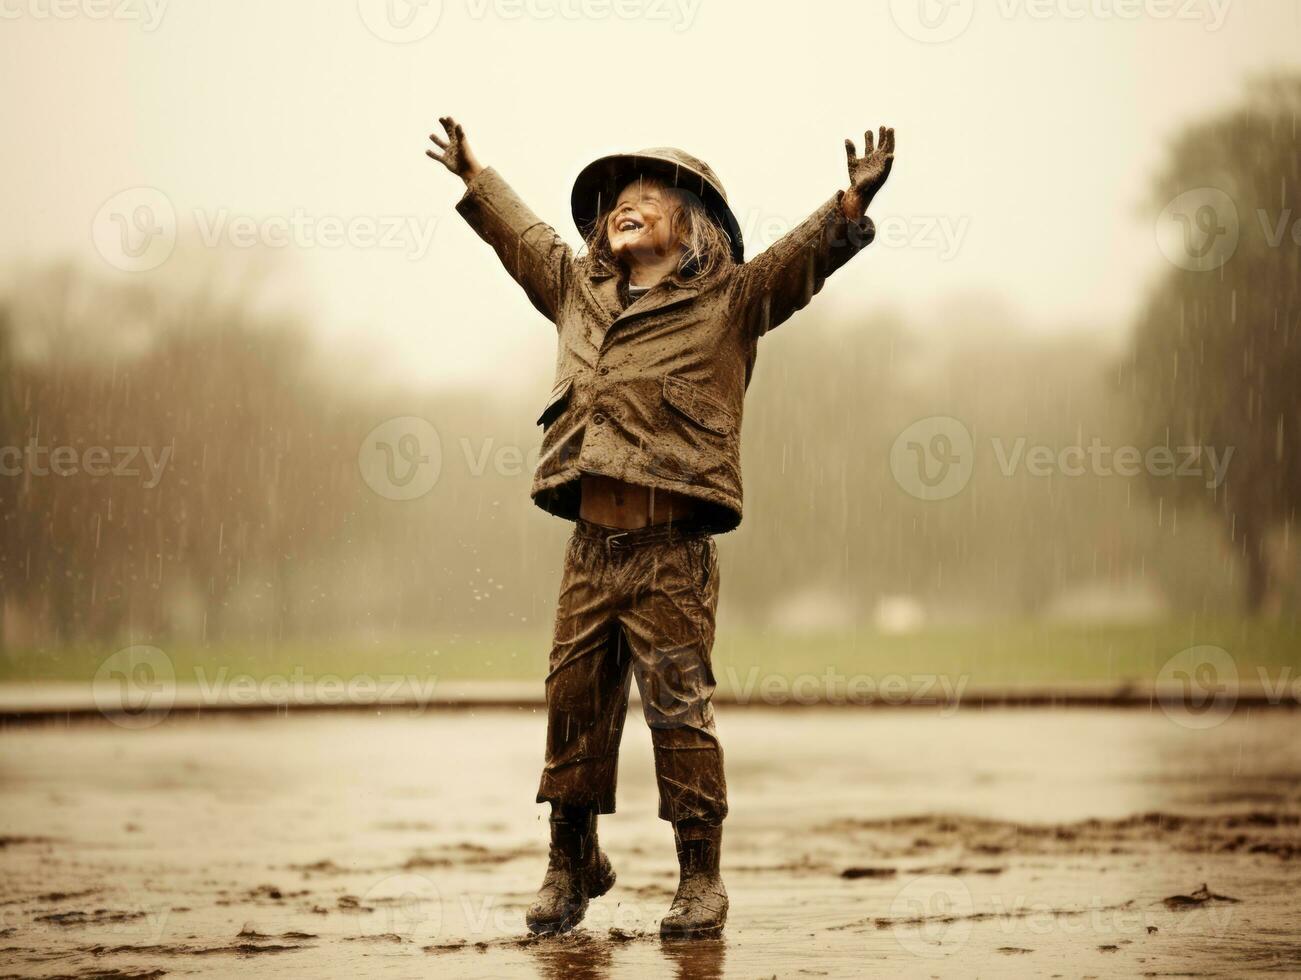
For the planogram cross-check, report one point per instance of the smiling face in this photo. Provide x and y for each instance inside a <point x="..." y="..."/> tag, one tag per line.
<point x="640" y="227"/>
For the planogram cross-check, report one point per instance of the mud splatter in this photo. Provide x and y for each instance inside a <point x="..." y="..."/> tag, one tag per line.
<point x="98" y="917"/>
<point x="274" y="893"/>
<point x="1278" y="835"/>
<point x="1201" y="896"/>
<point x="579" y="939"/>
<point x="886" y="922"/>
<point x="786" y="852"/>
<point x="381" y="937"/>
<point x="19" y="840"/>
<point x="855" y="873"/>
<point x="110" y="975"/>
<point x="180" y="949"/>
<point x="250" y="932"/>
<point x="325" y="866"/>
<point x="467" y="853"/>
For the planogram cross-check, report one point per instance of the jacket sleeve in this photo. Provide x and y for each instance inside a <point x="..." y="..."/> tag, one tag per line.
<point x="535" y="256"/>
<point x="781" y="280"/>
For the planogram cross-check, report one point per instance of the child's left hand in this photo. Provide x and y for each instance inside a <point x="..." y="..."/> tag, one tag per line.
<point x="867" y="173"/>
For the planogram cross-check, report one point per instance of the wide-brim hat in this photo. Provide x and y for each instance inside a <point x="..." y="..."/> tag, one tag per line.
<point x="599" y="184"/>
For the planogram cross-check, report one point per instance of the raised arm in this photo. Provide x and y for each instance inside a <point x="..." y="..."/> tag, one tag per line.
<point x="782" y="279"/>
<point x="535" y="256"/>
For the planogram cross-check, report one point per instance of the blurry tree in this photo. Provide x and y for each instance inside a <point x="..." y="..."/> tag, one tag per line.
<point x="825" y="513"/>
<point x="1217" y="353"/>
<point x="200" y="457"/>
<point x="9" y="543"/>
<point x="262" y="530"/>
<point x="255" y="457"/>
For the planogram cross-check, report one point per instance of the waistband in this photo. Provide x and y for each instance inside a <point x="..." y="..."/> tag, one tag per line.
<point x="616" y="538"/>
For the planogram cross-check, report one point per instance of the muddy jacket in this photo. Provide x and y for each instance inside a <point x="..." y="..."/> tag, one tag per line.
<point x="652" y="393"/>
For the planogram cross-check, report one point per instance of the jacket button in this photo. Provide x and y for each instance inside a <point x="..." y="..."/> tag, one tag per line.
<point x="603" y="370"/>
<point x="598" y="419"/>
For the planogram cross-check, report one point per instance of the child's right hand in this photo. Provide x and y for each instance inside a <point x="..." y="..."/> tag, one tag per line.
<point x="457" y="155"/>
<point x="867" y="173"/>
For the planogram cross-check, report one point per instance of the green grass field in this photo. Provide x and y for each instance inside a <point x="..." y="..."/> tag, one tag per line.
<point x="990" y="655"/>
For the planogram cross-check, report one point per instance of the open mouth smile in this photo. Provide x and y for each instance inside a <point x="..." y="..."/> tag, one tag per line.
<point x="628" y="224"/>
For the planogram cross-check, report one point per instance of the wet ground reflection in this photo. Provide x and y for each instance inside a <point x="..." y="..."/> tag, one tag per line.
<point x="407" y="845"/>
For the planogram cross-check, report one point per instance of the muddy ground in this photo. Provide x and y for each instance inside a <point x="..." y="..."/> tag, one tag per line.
<point x="1014" y="842"/>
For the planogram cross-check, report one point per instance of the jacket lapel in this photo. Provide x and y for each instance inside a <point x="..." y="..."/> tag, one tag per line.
<point x="662" y="297"/>
<point x="605" y="290"/>
<point x="604" y="287"/>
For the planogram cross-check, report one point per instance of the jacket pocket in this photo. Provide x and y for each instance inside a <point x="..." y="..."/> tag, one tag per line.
<point x="701" y="408"/>
<point x="558" y="401"/>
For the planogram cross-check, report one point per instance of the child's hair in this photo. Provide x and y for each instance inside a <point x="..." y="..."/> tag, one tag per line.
<point x="705" y="246"/>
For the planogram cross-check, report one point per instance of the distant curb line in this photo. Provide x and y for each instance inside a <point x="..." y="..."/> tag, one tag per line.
<point x="43" y="704"/>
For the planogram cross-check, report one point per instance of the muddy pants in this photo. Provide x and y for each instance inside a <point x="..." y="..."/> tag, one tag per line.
<point x="637" y="603"/>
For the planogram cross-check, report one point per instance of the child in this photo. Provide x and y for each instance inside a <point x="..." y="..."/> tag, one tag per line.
<point x="658" y="326"/>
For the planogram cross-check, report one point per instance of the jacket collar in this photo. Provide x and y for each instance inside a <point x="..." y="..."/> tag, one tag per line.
<point x="605" y="284"/>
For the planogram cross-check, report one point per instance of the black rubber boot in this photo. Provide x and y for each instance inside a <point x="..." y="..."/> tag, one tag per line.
<point x="700" y="906"/>
<point x="576" y="872"/>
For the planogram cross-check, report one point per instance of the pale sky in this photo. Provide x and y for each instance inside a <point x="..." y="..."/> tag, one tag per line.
<point x="1026" y="143"/>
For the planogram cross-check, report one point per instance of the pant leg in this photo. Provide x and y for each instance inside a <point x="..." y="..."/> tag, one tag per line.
<point x="669" y="623"/>
<point x="587" y="686"/>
